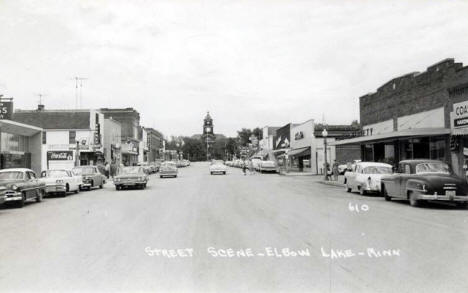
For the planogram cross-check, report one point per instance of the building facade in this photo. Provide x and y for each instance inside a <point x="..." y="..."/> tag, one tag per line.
<point x="155" y="144"/>
<point x="112" y="141"/>
<point x="410" y="117"/>
<point x="129" y="120"/>
<point x="69" y="138"/>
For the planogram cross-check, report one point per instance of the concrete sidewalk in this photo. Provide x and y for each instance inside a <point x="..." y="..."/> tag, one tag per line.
<point x="339" y="183"/>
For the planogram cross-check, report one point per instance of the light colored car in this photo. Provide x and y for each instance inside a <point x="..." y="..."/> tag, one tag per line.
<point x="61" y="181"/>
<point x="366" y="177"/>
<point x="131" y="177"/>
<point x="218" y="167"/>
<point x="267" y="166"/>
<point x="256" y="162"/>
<point x="168" y="169"/>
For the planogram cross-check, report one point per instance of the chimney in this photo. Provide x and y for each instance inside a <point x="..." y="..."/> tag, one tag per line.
<point x="40" y="107"/>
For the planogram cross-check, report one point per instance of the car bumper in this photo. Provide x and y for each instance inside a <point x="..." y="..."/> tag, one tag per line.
<point x="55" y="188"/>
<point x="218" y="171"/>
<point x="129" y="183"/>
<point x="273" y="169"/>
<point x="442" y="197"/>
<point x="168" y="173"/>
<point x="13" y="196"/>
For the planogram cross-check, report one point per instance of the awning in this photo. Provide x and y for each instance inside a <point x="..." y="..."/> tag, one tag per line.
<point x="300" y="152"/>
<point x="460" y="131"/>
<point x="393" y="135"/>
<point x="14" y="127"/>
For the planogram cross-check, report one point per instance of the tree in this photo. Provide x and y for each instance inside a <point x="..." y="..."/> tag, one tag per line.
<point x="258" y="132"/>
<point x="244" y="136"/>
<point x="194" y="149"/>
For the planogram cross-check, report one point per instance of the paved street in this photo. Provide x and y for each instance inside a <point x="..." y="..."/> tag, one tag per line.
<point x="109" y="240"/>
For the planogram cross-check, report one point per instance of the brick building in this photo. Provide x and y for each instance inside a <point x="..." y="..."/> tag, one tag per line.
<point x="410" y="116"/>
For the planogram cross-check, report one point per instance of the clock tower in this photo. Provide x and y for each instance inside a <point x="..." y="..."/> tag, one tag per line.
<point x="208" y="136"/>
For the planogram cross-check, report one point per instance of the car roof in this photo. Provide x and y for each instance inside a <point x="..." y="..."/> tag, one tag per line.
<point x="373" y="164"/>
<point x="419" y="161"/>
<point x="16" y="170"/>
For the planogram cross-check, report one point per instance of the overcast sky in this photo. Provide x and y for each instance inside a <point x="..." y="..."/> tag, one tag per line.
<point x="250" y="63"/>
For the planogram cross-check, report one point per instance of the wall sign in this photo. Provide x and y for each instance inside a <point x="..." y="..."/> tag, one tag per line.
<point x="6" y="109"/>
<point x="459" y="118"/>
<point x="60" y="156"/>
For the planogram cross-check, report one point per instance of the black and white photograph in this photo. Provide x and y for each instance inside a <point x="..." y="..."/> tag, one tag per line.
<point x="211" y="146"/>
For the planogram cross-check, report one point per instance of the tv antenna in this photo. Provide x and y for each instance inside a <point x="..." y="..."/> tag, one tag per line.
<point x="79" y="90"/>
<point x="40" y="95"/>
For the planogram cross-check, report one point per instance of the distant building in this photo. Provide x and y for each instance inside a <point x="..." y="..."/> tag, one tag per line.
<point x="208" y="136"/>
<point x="129" y="120"/>
<point x="112" y="141"/>
<point x="155" y="144"/>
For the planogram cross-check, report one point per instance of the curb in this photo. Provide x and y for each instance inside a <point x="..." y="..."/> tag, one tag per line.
<point x="332" y="183"/>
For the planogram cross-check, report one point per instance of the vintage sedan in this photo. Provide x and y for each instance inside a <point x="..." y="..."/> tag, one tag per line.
<point x="61" y="181"/>
<point x="267" y="166"/>
<point x="366" y="176"/>
<point x="131" y="177"/>
<point x="168" y="169"/>
<point x="425" y="180"/>
<point x="91" y="177"/>
<point x="218" y="167"/>
<point x="20" y="185"/>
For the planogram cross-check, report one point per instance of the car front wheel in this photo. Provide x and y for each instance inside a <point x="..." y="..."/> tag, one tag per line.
<point x="385" y="194"/>
<point x="40" y="195"/>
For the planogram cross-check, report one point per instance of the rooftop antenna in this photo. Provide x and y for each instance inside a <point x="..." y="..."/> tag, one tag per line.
<point x="40" y="95"/>
<point x="78" y="90"/>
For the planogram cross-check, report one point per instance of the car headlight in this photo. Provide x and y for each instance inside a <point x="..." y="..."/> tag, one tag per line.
<point x="59" y="181"/>
<point x="14" y="187"/>
<point x="117" y="179"/>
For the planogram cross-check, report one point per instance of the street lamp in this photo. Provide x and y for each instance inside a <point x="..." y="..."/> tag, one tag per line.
<point x="325" y="134"/>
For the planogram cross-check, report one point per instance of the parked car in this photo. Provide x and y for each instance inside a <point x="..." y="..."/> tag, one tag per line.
<point x="425" y="180"/>
<point x="267" y="166"/>
<point x="91" y="177"/>
<point x="366" y="177"/>
<point x="20" y="185"/>
<point x="61" y="181"/>
<point x="217" y="167"/>
<point x="131" y="177"/>
<point x="168" y="169"/>
<point x="146" y="167"/>
<point x="2" y="195"/>
<point x="155" y="166"/>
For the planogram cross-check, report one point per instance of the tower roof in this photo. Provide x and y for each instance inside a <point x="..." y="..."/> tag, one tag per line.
<point x="208" y="117"/>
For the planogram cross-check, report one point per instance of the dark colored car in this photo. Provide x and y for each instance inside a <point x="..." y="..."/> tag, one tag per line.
<point x="131" y="177"/>
<point x="425" y="180"/>
<point x="91" y="176"/>
<point x="19" y="185"/>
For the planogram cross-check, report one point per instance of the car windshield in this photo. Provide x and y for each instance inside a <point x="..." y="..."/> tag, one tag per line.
<point x="83" y="170"/>
<point x="168" y="164"/>
<point x="377" y="170"/>
<point x="438" y="168"/>
<point x="131" y="170"/>
<point x="217" y="162"/>
<point x="55" y="173"/>
<point x="11" y="175"/>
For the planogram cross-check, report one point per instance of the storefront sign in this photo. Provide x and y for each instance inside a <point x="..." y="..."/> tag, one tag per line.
<point x="60" y="156"/>
<point x="6" y="109"/>
<point x="459" y="118"/>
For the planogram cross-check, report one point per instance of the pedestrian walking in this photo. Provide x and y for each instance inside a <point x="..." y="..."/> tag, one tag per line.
<point x="107" y="169"/>
<point x="335" y="171"/>
<point x="244" y="167"/>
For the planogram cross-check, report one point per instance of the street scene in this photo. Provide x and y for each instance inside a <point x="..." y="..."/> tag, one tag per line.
<point x="206" y="233"/>
<point x="233" y="146"/>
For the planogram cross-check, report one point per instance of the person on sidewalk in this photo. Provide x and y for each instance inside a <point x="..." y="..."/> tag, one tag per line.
<point x="335" y="171"/>
<point x="244" y="167"/>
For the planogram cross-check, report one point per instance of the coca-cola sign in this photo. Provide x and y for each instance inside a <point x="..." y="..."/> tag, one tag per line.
<point x="60" y="156"/>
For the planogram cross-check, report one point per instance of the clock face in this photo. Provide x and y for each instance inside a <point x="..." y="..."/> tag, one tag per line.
<point x="208" y="129"/>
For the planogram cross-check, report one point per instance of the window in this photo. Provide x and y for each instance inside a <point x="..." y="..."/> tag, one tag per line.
<point x="32" y="175"/>
<point x="72" y="137"/>
<point x="407" y="169"/>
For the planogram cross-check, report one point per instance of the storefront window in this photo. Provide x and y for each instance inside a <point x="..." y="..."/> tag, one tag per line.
<point x="14" y="143"/>
<point x="437" y="148"/>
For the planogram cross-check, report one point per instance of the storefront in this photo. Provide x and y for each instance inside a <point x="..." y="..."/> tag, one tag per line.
<point x="459" y="139"/>
<point x="392" y="147"/>
<point x="129" y="153"/>
<point x="20" y="146"/>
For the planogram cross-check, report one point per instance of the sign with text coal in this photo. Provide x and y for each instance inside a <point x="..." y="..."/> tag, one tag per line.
<point x="6" y="110"/>
<point x="60" y="156"/>
<point x="459" y="118"/>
